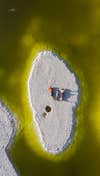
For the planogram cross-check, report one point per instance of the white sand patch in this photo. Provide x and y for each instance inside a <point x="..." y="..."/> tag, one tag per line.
<point x="7" y="132"/>
<point x="55" y="130"/>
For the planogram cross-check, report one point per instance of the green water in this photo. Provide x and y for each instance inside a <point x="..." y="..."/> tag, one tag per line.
<point x="72" y="30"/>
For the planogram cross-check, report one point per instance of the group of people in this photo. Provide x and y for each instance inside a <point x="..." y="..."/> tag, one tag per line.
<point x="60" y="94"/>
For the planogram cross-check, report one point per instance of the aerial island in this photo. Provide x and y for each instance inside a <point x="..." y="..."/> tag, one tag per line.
<point x="53" y="93"/>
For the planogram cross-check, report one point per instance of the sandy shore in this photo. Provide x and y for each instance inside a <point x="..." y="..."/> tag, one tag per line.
<point x="55" y="129"/>
<point x="7" y="132"/>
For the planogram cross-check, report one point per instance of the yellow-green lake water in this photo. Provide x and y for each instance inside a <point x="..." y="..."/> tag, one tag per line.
<point x="72" y="30"/>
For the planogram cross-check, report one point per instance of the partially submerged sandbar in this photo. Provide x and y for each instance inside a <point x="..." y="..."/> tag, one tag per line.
<point x="7" y="132"/>
<point x="54" y="127"/>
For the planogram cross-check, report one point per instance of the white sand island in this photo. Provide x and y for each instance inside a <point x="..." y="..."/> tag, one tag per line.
<point x="7" y="132"/>
<point x="54" y="118"/>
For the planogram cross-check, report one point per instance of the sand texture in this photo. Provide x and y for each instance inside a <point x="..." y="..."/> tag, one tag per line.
<point x="7" y="132"/>
<point x="55" y="129"/>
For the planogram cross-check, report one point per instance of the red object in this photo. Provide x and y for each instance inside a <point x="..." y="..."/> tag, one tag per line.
<point x="50" y="89"/>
